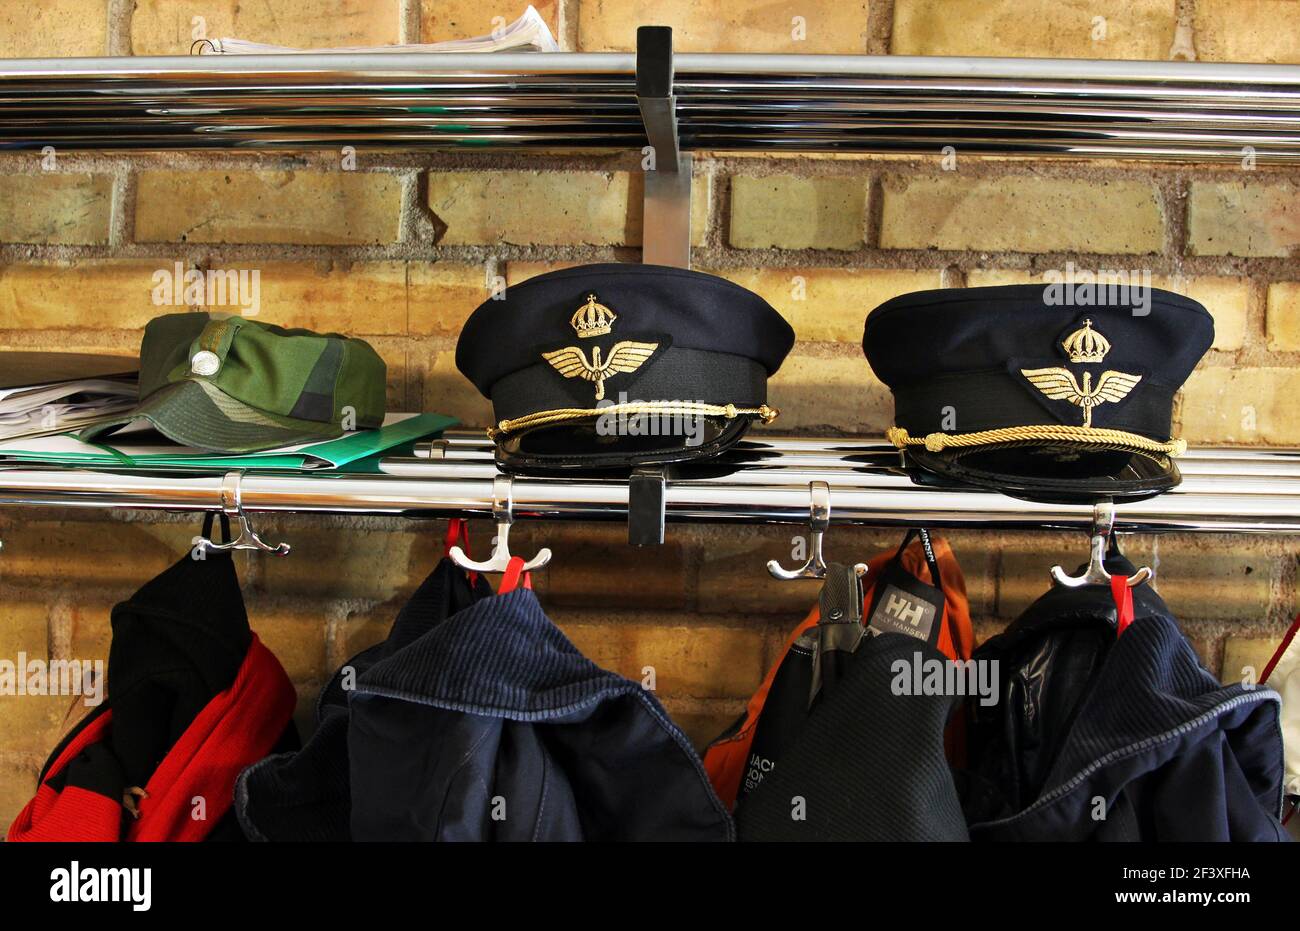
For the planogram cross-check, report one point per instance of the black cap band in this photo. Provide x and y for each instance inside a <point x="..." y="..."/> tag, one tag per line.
<point x="674" y="374"/>
<point x="977" y="401"/>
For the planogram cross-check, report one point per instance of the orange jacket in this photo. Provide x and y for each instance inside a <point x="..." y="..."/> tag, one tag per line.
<point x="726" y="757"/>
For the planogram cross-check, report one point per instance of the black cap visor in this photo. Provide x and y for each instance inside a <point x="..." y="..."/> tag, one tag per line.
<point x="1049" y="472"/>
<point x="606" y="443"/>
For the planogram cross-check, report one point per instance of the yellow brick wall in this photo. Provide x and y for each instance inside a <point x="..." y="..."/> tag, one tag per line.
<point x="401" y="249"/>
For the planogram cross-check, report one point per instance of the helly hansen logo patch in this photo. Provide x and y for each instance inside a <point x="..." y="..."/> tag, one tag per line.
<point x="902" y="613"/>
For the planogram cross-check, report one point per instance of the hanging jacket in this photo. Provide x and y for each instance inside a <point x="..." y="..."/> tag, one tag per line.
<point x="488" y="725"/>
<point x="306" y="795"/>
<point x="731" y="765"/>
<point x="868" y="763"/>
<point x="193" y="696"/>
<point x="494" y="727"/>
<point x="1099" y="737"/>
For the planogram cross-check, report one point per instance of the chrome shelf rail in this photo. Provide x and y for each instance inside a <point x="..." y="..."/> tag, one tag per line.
<point x="723" y="102"/>
<point x="761" y="481"/>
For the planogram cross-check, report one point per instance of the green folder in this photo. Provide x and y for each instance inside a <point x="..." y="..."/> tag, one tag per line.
<point x="399" y="433"/>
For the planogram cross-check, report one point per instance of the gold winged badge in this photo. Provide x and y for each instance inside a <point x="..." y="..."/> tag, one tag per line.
<point x="626" y="356"/>
<point x="1059" y="384"/>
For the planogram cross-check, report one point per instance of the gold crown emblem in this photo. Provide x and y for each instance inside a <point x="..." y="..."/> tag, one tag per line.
<point x="1086" y="344"/>
<point x="592" y="319"/>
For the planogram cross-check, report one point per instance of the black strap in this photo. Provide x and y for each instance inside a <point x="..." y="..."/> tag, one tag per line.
<point x="225" y="526"/>
<point x="930" y="559"/>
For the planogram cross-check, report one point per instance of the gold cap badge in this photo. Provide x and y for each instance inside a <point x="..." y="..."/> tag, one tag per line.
<point x="627" y="356"/>
<point x="1083" y="345"/>
<point x="592" y="319"/>
<point x="1086" y="344"/>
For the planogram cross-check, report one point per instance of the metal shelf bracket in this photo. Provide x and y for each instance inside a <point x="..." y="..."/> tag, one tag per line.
<point x="666" y="220"/>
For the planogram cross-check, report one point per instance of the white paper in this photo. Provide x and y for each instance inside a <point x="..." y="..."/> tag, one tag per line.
<point x="34" y="397"/>
<point x="528" y="33"/>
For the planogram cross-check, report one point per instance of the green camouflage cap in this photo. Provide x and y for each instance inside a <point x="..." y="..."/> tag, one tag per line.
<point x="234" y="385"/>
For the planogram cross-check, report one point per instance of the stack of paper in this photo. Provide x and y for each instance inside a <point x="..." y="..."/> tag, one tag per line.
<point x="47" y="393"/>
<point x="528" y="33"/>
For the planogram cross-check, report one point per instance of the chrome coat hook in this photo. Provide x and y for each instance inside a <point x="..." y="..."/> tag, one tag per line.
<point x="247" y="538"/>
<point x="503" y="514"/>
<point x="1103" y="525"/>
<point x="819" y="519"/>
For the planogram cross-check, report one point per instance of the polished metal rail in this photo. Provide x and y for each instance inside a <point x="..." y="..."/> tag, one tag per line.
<point x="727" y="102"/>
<point x="1229" y="490"/>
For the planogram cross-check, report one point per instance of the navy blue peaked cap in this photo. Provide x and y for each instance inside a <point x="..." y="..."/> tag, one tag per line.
<point x="1057" y="391"/>
<point x="559" y="350"/>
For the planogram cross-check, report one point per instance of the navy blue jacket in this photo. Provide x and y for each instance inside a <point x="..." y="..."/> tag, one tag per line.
<point x="478" y="720"/>
<point x="1099" y="738"/>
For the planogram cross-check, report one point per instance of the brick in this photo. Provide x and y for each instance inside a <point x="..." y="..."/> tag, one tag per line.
<point x="166" y="27"/>
<point x="67" y="209"/>
<point x="113" y="557"/>
<point x="343" y="207"/>
<point x="51" y="295"/>
<point x="372" y="564"/>
<point x="1129" y="29"/>
<point x="706" y="662"/>
<point x="360" y="299"/>
<point x="1246" y="658"/>
<point x="829" y="304"/>
<point x="541" y="207"/>
<point x="522" y="271"/>
<point x="1205" y="579"/>
<point x="1236" y="218"/>
<point x="1248" y="30"/>
<point x="17" y="786"/>
<point x="975" y="553"/>
<point x="363" y="629"/>
<point x="552" y="208"/>
<point x="594" y="568"/>
<point x="32" y="723"/>
<point x="1022" y="214"/>
<point x="54" y="29"/>
<point x="1225" y="298"/>
<point x="815" y="392"/>
<point x="1283" y="320"/>
<point x="449" y="392"/>
<point x="295" y="634"/>
<point x="701" y="204"/>
<point x="829" y="26"/>
<point x="442" y="295"/>
<point x="788" y="212"/>
<point x="90" y="617"/>
<point x="444" y="20"/>
<point x="25" y="626"/>
<point x="1241" y="405"/>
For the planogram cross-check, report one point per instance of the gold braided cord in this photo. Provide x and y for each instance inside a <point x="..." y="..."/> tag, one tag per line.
<point x="693" y="408"/>
<point x="1091" y="436"/>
